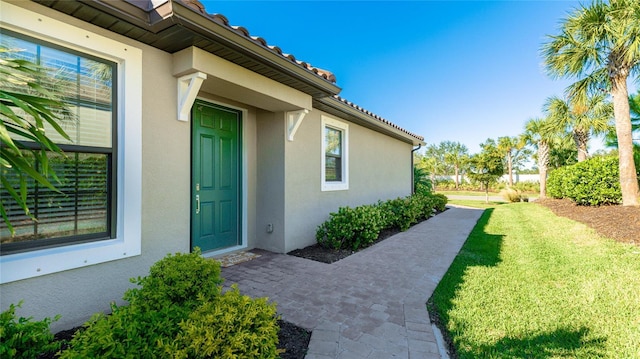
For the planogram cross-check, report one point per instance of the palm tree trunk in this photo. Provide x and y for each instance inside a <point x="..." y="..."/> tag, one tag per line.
<point x="510" y="169"/>
<point x="582" y="140"/>
<point x="543" y="163"/>
<point x="628" y="179"/>
<point x="457" y="173"/>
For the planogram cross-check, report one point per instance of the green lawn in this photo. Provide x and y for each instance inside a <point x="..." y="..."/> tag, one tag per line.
<point x="468" y="193"/>
<point x="529" y="284"/>
<point x="474" y="203"/>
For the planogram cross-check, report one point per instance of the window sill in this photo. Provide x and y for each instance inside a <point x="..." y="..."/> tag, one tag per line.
<point x="47" y="261"/>
<point x="338" y="186"/>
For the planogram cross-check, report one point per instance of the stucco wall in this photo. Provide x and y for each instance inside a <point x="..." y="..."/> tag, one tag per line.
<point x="379" y="169"/>
<point x="271" y="181"/>
<point x="77" y="294"/>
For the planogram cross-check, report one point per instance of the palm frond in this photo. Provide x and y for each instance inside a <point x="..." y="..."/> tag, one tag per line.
<point x="23" y="115"/>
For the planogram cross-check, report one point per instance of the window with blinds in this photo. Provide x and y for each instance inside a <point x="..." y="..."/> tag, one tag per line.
<point x="84" y="208"/>
<point x="335" y="155"/>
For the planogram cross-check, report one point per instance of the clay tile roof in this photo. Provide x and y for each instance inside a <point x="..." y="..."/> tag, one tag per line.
<point x="221" y="19"/>
<point x="327" y="75"/>
<point x="378" y="118"/>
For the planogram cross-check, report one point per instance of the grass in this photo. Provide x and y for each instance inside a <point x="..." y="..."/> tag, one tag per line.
<point x="468" y="193"/>
<point x="529" y="284"/>
<point x="474" y="203"/>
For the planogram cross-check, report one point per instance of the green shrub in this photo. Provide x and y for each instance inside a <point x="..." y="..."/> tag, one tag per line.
<point x="593" y="182"/>
<point x="181" y="279"/>
<point x="128" y="332"/>
<point x="231" y="326"/>
<point x="533" y="187"/>
<point x="439" y="201"/>
<point x="556" y="183"/>
<point x="445" y="184"/>
<point x="402" y="212"/>
<point x="179" y="312"/>
<point x="513" y="195"/>
<point x="176" y="286"/>
<point x="351" y="228"/>
<point x="23" y="337"/>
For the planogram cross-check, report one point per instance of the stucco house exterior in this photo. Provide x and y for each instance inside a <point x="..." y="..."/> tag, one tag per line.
<point x="194" y="133"/>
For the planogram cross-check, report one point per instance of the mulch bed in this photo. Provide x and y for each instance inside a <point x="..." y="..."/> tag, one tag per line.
<point x="616" y="222"/>
<point x="294" y="340"/>
<point x="291" y="338"/>
<point x="325" y="255"/>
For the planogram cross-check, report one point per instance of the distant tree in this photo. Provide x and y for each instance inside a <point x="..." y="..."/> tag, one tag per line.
<point x="582" y="116"/>
<point x="599" y="45"/>
<point x="456" y="156"/>
<point x="541" y="134"/>
<point x="434" y="162"/>
<point x="514" y="152"/>
<point x="487" y="166"/>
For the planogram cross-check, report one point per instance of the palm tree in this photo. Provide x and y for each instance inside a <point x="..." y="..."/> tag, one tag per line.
<point x="599" y="45"/>
<point x="583" y="117"/>
<point x="434" y="162"/>
<point x="541" y="133"/>
<point x="514" y="151"/>
<point x="456" y="155"/>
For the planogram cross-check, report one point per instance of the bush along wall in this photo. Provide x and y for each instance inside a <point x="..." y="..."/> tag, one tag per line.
<point x="359" y="227"/>
<point x="179" y="311"/>
<point x="593" y="182"/>
<point x="24" y="338"/>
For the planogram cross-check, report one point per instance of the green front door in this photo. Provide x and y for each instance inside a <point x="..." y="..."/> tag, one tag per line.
<point x="216" y="177"/>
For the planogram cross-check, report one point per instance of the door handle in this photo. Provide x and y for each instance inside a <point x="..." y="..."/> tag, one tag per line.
<point x="197" y="204"/>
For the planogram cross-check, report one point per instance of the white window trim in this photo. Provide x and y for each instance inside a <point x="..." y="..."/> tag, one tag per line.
<point x="344" y="127"/>
<point x="127" y="241"/>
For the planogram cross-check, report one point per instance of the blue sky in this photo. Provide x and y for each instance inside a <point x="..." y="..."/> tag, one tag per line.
<point x="447" y="70"/>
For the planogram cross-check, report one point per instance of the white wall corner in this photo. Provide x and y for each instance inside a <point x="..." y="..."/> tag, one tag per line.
<point x="188" y="87"/>
<point x="294" y="119"/>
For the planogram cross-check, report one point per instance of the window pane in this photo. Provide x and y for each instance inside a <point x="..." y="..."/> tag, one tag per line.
<point x="333" y="141"/>
<point x="80" y="209"/>
<point x="333" y="155"/>
<point x="333" y="169"/>
<point x="86" y="85"/>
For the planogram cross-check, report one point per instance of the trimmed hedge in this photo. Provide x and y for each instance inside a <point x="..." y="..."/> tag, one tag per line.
<point x="359" y="227"/>
<point x="593" y="182"/>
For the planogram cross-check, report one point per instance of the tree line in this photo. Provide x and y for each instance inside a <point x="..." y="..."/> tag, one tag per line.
<point x="598" y="46"/>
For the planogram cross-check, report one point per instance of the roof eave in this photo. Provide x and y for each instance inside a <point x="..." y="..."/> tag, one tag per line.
<point x="210" y="29"/>
<point x="180" y="17"/>
<point x="338" y="108"/>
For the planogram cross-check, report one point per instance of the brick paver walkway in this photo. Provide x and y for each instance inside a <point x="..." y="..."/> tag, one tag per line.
<point x="370" y="304"/>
